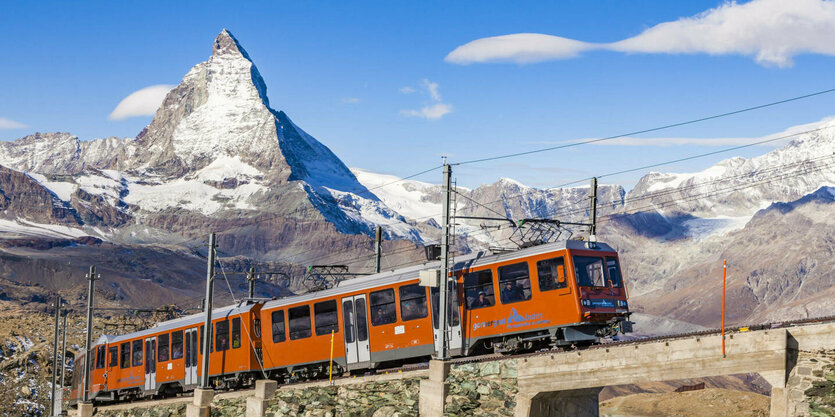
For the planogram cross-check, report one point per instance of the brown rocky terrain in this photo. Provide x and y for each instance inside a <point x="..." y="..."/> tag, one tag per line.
<point x="702" y="403"/>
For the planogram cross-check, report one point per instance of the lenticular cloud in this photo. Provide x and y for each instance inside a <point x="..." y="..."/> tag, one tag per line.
<point x="771" y="31"/>
<point x="144" y="102"/>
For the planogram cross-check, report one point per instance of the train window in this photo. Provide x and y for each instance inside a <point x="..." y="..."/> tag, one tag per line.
<point x="277" y="318"/>
<point x="236" y="332"/>
<point x="551" y="274"/>
<point x="163" y="347"/>
<point x="478" y="286"/>
<point x="114" y="356"/>
<point x="125" y="358"/>
<point x="589" y="271"/>
<point x="514" y="283"/>
<point x="452" y="311"/>
<point x="325" y="316"/>
<point x="299" y="322"/>
<point x="614" y="272"/>
<point x="382" y="307"/>
<point x="137" y="353"/>
<point x="362" y="320"/>
<point x="412" y="302"/>
<point x="221" y="336"/>
<point x="348" y="319"/>
<point x="177" y="344"/>
<point x="100" y="351"/>
<point x="256" y="328"/>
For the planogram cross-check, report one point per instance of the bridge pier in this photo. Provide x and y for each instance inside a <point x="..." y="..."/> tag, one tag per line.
<point x="433" y="391"/>
<point x="201" y="404"/>
<point x="256" y="405"/>
<point x="85" y="409"/>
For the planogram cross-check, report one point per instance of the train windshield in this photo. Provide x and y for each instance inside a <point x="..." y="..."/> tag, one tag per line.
<point x="593" y="271"/>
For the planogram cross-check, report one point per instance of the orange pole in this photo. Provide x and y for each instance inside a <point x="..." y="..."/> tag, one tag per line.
<point x="330" y="371"/>
<point x="724" y="275"/>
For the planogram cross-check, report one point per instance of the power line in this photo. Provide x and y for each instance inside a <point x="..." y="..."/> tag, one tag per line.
<point x="654" y="129"/>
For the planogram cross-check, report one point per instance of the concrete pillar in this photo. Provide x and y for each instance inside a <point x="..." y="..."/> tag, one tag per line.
<point x="256" y="405"/>
<point x="779" y="403"/>
<point x="433" y="391"/>
<point x="201" y="403"/>
<point x="85" y="409"/>
<point x="571" y="403"/>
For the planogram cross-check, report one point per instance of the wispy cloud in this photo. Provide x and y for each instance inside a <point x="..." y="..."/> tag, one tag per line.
<point x="407" y="90"/>
<point x="8" y="124"/>
<point x="144" y="102"/>
<point x="350" y="100"/>
<point x="435" y="108"/>
<point x="771" y="31"/>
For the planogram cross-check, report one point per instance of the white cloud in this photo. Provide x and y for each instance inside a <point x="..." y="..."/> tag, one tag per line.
<point x="435" y="108"/>
<point x="10" y="124"/>
<point x="407" y="90"/>
<point x="350" y="100"/>
<point x="522" y="48"/>
<point x="144" y="102"/>
<point x="772" y="31"/>
<point x="431" y="112"/>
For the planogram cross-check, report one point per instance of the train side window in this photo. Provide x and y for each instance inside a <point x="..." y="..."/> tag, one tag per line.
<point x="277" y="318"/>
<point x="100" y="357"/>
<point x="163" y="347"/>
<point x="614" y="272"/>
<point x="299" y="322"/>
<point x="221" y="335"/>
<point x="412" y="302"/>
<point x="137" y="352"/>
<point x="382" y="307"/>
<point x="348" y="320"/>
<point x="452" y="312"/>
<point x="124" y="360"/>
<point x="478" y="287"/>
<point x="551" y="274"/>
<point x="362" y="321"/>
<point x="589" y="271"/>
<point x="113" y="351"/>
<point x="177" y="344"/>
<point x="515" y="283"/>
<point x="256" y="327"/>
<point x="326" y="317"/>
<point x="236" y="332"/>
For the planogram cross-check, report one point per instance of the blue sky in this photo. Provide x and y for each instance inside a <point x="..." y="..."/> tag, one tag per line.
<point x="344" y="73"/>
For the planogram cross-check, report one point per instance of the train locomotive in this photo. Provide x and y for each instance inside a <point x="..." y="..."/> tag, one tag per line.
<point x="554" y="295"/>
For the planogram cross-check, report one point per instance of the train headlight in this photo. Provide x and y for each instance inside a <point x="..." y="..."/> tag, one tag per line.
<point x="585" y="303"/>
<point x="622" y="303"/>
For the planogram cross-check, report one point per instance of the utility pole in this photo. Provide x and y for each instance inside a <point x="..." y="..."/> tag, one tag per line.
<point x="55" y="355"/>
<point x="378" y="242"/>
<point x="443" y="293"/>
<point x="89" y="343"/>
<point x="207" y="308"/>
<point x="593" y="215"/>
<point x="251" y="278"/>
<point x="63" y="358"/>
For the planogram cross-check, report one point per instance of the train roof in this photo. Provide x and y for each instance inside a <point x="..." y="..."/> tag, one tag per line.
<point x="197" y="318"/>
<point x="412" y="272"/>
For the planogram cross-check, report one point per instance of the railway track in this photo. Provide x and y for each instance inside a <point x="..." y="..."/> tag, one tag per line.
<point x="408" y="368"/>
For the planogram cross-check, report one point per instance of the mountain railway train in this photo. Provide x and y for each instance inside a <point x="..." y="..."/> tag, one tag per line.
<point x="547" y="296"/>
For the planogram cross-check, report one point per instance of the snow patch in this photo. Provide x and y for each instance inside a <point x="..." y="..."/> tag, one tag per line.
<point x="191" y="195"/>
<point x="225" y="167"/>
<point x="63" y="190"/>
<point x="29" y="228"/>
<point x="702" y="228"/>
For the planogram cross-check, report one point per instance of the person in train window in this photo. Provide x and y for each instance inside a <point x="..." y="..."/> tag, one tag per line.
<point x="511" y="293"/>
<point x="481" y="301"/>
<point x="378" y="317"/>
<point x="177" y="353"/>
<point x="224" y="344"/>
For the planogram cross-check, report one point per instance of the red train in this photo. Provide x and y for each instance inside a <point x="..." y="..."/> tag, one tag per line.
<point x="552" y="295"/>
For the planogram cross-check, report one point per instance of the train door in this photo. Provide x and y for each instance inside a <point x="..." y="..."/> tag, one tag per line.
<point x="355" y="321"/>
<point x="191" y="357"/>
<point x="151" y="364"/>
<point x="453" y="319"/>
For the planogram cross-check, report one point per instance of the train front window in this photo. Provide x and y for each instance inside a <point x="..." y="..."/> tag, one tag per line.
<point x="614" y="272"/>
<point x="589" y="271"/>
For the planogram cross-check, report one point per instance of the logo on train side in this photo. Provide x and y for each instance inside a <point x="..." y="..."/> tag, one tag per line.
<point x="514" y="320"/>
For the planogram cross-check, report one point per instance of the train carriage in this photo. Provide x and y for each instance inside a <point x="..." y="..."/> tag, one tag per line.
<point x="557" y="294"/>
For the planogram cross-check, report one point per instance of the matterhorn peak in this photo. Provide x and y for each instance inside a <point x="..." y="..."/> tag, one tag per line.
<point x="226" y="43"/>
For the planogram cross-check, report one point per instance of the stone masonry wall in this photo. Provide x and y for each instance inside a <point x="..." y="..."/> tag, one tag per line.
<point x="810" y="387"/>
<point x="482" y="389"/>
